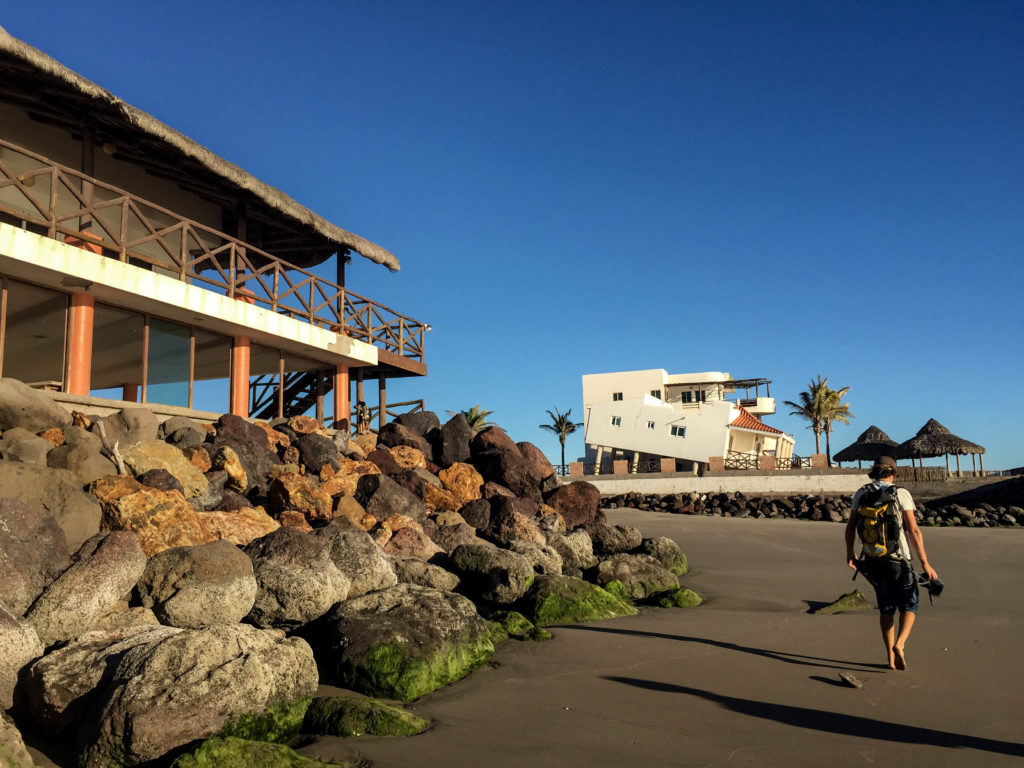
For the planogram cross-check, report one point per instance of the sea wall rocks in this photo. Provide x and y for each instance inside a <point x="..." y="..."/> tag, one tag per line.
<point x="233" y="566"/>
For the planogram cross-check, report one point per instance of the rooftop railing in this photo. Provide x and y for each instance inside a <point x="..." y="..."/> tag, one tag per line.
<point x="66" y="204"/>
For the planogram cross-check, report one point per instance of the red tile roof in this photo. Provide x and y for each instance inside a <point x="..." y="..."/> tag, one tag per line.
<point x="747" y="420"/>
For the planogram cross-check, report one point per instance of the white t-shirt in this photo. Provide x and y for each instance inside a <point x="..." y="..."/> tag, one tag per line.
<point x="906" y="504"/>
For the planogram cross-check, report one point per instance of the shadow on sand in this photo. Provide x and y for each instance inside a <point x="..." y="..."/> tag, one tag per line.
<point x="833" y="722"/>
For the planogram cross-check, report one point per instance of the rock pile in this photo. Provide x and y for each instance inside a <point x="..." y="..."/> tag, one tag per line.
<point x="970" y="509"/>
<point x="208" y="589"/>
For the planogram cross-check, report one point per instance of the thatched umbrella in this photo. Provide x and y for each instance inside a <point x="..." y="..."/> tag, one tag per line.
<point x="933" y="439"/>
<point x="872" y="444"/>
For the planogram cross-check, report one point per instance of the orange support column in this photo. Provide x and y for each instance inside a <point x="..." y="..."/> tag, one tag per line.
<point x="342" y="406"/>
<point x="239" y="396"/>
<point x="80" y="343"/>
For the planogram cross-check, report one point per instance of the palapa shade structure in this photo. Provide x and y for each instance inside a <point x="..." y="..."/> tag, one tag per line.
<point x="933" y="439"/>
<point x="872" y="444"/>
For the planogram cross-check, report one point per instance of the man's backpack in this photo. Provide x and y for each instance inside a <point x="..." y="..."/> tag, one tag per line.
<point x="878" y="523"/>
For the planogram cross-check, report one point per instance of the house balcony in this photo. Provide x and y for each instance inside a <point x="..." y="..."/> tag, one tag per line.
<point x="53" y="200"/>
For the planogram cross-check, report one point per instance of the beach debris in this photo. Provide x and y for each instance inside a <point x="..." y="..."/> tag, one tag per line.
<point x="851" y="601"/>
<point x="850" y="680"/>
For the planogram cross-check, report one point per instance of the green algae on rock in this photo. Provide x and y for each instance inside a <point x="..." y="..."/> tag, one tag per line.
<point x="348" y="716"/>
<point x="679" y="598"/>
<point x="279" y="723"/>
<point x="505" y="624"/>
<point x="232" y="752"/>
<point x="567" y="600"/>
<point x="851" y="601"/>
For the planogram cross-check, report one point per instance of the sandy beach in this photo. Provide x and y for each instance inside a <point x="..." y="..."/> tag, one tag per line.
<point x="751" y="678"/>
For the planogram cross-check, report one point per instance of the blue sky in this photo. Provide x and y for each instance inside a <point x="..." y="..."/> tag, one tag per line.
<point x="771" y="189"/>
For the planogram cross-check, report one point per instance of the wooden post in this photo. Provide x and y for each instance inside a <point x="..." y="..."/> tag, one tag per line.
<point x="80" y="343"/>
<point x="957" y="465"/>
<point x="239" y="386"/>
<point x="320" y="397"/>
<point x="382" y="394"/>
<point x="982" y="460"/>
<point x="89" y="169"/>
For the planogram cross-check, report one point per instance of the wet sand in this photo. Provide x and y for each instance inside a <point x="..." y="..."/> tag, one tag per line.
<point x="751" y="678"/>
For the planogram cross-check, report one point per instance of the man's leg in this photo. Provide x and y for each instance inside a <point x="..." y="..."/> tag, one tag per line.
<point x="906" y="624"/>
<point x="887" y="621"/>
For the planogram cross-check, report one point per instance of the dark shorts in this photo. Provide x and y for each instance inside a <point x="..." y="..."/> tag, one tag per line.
<point x="895" y="585"/>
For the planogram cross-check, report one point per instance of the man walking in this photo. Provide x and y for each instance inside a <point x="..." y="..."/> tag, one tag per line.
<point x="891" y="574"/>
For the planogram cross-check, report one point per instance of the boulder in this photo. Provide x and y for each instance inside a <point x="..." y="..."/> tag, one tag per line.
<point x="18" y="444"/>
<point x="194" y="587"/>
<point x="448" y="537"/>
<point x="666" y="552"/>
<point x="213" y="497"/>
<point x="407" y="457"/>
<point x="239" y="526"/>
<point x="161" y="519"/>
<point x="411" y="541"/>
<point x="513" y="520"/>
<point x="33" y="552"/>
<point x="122" y="616"/>
<point x="438" y="499"/>
<point x="198" y="457"/>
<point x="54" y="436"/>
<point x="348" y="716"/>
<point x="451" y="442"/>
<point x="356" y="555"/>
<point x="348" y="508"/>
<point x="22" y="406"/>
<point x="188" y="685"/>
<point x="126" y="428"/>
<point x="181" y="432"/>
<point x="642" y="575"/>
<point x="421" y="422"/>
<point x="60" y="495"/>
<point x="346" y="479"/>
<point x="156" y="454"/>
<point x="612" y="539"/>
<point x="232" y="752"/>
<point x="394" y="434"/>
<point x="315" y="451"/>
<point x="385" y="461"/>
<point x="575" y="548"/>
<point x="19" y="645"/>
<point x="498" y="459"/>
<point x="492" y="574"/>
<point x="412" y="571"/>
<point x="163" y="480"/>
<point x="578" y="502"/>
<point x="104" y="569"/>
<point x="364" y="443"/>
<point x="13" y="753"/>
<point x="565" y="600"/>
<point x="462" y="481"/>
<point x="476" y="513"/>
<point x="290" y="491"/>
<point x="400" y="642"/>
<point x="536" y="459"/>
<point x="298" y="581"/>
<point x="82" y="454"/>
<point x="543" y="558"/>
<point x="304" y="425"/>
<point x="251" y="446"/>
<point x="224" y="459"/>
<point x="382" y="497"/>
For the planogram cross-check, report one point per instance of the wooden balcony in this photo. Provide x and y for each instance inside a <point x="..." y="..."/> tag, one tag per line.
<point x="51" y="199"/>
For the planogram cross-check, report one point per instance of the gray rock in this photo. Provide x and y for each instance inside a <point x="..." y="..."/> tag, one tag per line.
<point x="420" y="422"/>
<point x="33" y="552"/>
<point x="82" y="453"/>
<point x="642" y="575"/>
<point x="448" y="537"/>
<point x="612" y="539"/>
<point x="194" y="587"/>
<point x="451" y="442"/>
<point x="156" y="454"/>
<point x="543" y="558"/>
<point x="19" y="645"/>
<point x="315" y="451"/>
<point x="58" y="492"/>
<point x="13" y="753"/>
<point x="104" y="569"/>
<point x="575" y="548"/>
<point x="666" y="552"/>
<point x="19" y="444"/>
<point x="358" y="557"/>
<point x="298" y="581"/>
<point x="492" y="574"/>
<point x="412" y="571"/>
<point x="126" y="428"/>
<point x="22" y="406"/>
<point x="181" y="432"/>
<point x="382" y="497"/>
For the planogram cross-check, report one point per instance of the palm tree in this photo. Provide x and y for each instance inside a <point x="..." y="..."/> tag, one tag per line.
<point x="562" y="426"/>
<point x="812" y="407"/>
<point x="476" y="416"/>
<point x="835" y="410"/>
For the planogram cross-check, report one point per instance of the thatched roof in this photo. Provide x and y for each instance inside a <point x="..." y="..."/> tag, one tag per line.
<point x="933" y="439"/>
<point x="872" y="444"/>
<point x="56" y="94"/>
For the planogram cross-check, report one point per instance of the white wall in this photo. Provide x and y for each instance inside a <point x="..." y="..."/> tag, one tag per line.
<point x="781" y="482"/>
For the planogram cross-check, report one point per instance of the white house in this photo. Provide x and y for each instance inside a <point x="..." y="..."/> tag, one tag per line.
<point x="645" y="416"/>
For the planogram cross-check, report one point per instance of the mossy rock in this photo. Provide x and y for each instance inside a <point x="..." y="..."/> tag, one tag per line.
<point x="280" y="723"/>
<point x="619" y="590"/>
<point x="851" y="601"/>
<point x="232" y="752"/>
<point x="679" y="598"/>
<point x="566" y="600"/>
<point x="506" y="624"/>
<point x="537" y="634"/>
<point x="679" y="566"/>
<point x="389" y="670"/>
<point x="349" y="716"/>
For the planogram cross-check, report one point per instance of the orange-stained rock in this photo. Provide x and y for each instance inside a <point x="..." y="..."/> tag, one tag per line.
<point x="199" y="458"/>
<point x="79" y="419"/>
<point x="277" y="439"/>
<point x="305" y="425"/>
<point x="449" y="518"/>
<point x="463" y="481"/>
<point x="354" y="451"/>
<point x="290" y="455"/>
<point x="160" y="519"/>
<point x="54" y="436"/>
<point x="408" y="457"/>
<point x="283" y="469"/>
<point x="239" y="527"/>
<point x="327" y="472"/>
<point x="346" y="479"/>
<point x="292" y="491"/>
<point x="398" y="522"/>
<point x="291" y="518"/>
<point x="347" y="506"/>
<point x="381" y="534"/>
<point x="410" y="542"/>
<point x="367" y="443"/>
<point x="109" y="488"/>
<point x="438" y="499"/>
<point x="225" y="458"/>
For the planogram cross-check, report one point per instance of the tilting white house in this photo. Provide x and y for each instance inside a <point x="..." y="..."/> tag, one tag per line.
<point x="646" y="416"/>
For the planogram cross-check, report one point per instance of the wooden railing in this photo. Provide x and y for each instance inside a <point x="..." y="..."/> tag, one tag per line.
<point x="63" y="203"/>
<point x="740" y="460"/>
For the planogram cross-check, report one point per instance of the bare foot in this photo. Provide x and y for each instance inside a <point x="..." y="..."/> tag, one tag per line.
<point x="899" y="658"/>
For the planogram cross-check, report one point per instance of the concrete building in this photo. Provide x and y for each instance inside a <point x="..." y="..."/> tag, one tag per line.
<point x="138" y="266"/>
<point x="690" y="419"/>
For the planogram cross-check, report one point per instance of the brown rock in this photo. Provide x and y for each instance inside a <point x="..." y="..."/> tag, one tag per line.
<point x="161" y="519"/>
<point x="54" y="436"/>
<point x="463" y="481"/>
<point x="276" y="439"/>
<point x="239" y="527"/>
<point x="381" y="456"/>
<point x="578" y="502"/>
<point x="80" y="420"/>
<point x="292" y="491"/>
<point x="224" y="458"/>
<point x="199" y="458"/>
<point x="407" y="457"/>
<point x="494" y="490"/>
<point x="291" y="518"/>
<point x="348" y="507"/>
<point x="346" y="479"/>
<point x="290" y="455"/>
<point x="409" y="542"/>
<point x="440" y="499"/>
<point x="536" y="459"/>
<point x="513" y="520"/>
<point x="366" y="443"/>
<point x="304" y="425"/>
<point x="449" y="518"/>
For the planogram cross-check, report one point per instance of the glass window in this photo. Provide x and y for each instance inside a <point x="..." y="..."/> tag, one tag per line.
<point x="212" y="371"/>
<point x="616" y="396"/>
<point x="656" y="393"/>
<point x="650" y="425"/>
<point x="33" y="344"/>
<point x="678" y="431"/>
<point x="686" y="397"/>
<point x="616" y="421"/>
<point x="168" y="363"/>
<point x="116" y="352"/>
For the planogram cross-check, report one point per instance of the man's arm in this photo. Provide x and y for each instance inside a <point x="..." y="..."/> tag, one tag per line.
<point x="851" y="536"/>
<point x="916" y="540"/>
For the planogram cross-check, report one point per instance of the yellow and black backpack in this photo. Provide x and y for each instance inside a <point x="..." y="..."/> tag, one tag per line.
<point x="878" y="523"/>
